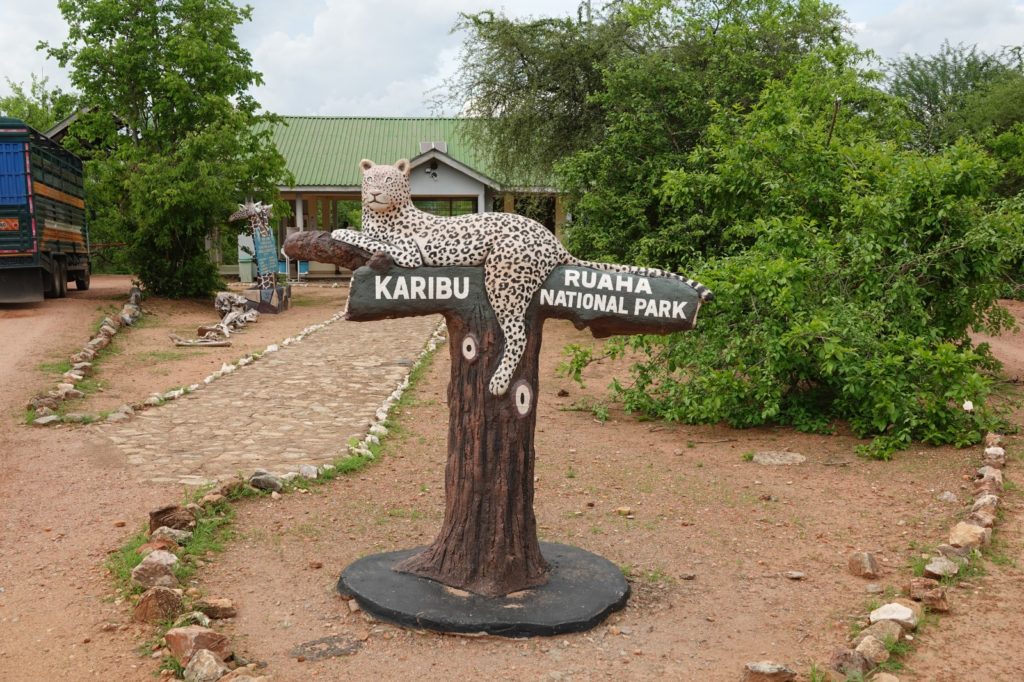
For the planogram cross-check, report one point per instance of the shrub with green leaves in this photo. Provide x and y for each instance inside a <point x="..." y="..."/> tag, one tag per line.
<point x="851" y="269"/>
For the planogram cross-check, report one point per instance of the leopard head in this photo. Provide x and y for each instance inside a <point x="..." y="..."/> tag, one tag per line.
<point x="385" y="188"/>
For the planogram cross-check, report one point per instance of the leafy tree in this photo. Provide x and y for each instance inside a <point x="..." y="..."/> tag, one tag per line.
<point x="527" y="86"/>
<point x="38" y="105"/>
<point x="612" y="100"/>
<point x="942" y="90"/>
<point x="854" y="269"/>
<point x="173" y="139"/>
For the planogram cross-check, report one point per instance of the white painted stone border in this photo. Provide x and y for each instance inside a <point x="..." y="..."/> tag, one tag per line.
<point x="377" y="429"/>
<point x="988" y="487"/>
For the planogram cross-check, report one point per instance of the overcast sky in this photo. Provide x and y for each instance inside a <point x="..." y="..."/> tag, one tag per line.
<point x="381" y="57"/>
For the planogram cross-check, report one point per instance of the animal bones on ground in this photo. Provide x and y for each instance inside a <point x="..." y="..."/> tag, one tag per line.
<point x="236" y="315"/>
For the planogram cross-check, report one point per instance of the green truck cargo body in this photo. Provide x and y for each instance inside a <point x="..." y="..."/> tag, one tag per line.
<point x="44" y="242"/>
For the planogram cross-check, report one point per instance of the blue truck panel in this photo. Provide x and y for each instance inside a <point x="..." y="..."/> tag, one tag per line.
<point x="13" y="189"/>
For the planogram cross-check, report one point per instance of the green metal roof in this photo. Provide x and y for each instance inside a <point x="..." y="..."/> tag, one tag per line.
<point x="324" y="151"/>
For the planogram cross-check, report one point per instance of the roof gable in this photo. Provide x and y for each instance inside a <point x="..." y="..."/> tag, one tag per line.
<point x="325" y="151"/>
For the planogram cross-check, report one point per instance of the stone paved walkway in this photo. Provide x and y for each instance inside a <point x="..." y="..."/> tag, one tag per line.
<point x="297" y="406"/>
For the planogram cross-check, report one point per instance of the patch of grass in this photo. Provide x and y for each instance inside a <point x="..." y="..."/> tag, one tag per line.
<point x="149" y="357"/>
<point x="598" y="408"/>
<point x="657" y="576"/>
<point x="571" y="473"/>
<point x="748" y="456"/>
<point x="55" y="367"/>
<point x="172" y="664"/>
<point x="30" y="415"/>
<point x="1009" y="486"/>
<point x="897" y="650"/>
<point x="89" y="385"/>
<point x="627" y="571"/>
<point x="917" y="564"/>
<point x="121" y="563"/>
<point x="816" y="674"/>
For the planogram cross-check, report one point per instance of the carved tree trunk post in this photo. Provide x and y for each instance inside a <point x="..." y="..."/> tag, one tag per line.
<point x="488" y="541"/>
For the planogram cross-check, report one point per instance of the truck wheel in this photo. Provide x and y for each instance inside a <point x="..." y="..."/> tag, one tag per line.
<point x="51" y="287"/>
<point x="62" y="278"/>
<point x="82" y="281"/>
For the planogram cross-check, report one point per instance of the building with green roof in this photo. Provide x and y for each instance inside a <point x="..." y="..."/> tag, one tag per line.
<point x="449" y="176"/>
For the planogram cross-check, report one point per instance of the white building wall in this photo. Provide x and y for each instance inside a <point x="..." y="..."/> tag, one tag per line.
<point x="446" y="181"/>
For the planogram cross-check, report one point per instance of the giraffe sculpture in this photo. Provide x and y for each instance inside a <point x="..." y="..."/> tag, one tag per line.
<point x="264" y="243"/>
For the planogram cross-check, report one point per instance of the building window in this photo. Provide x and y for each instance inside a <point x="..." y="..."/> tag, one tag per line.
<point x="446" y="207"/>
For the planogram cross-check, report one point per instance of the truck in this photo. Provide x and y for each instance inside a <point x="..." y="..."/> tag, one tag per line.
<point x="44" y="241"/>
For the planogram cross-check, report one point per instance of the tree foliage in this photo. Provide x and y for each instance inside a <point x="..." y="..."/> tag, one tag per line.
<point x="612" y="100"/>
<point x="853" y="270"/>
<point x="954" y="92"/>
<point x="37" y="104"/>
<point x="173" y="140"/>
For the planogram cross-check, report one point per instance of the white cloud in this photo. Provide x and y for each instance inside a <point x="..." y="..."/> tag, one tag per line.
<point x="23" y="26"/>
<point x="381" y="57"/>
<point x="362" y="58"/>
<point x="920" y="26"/>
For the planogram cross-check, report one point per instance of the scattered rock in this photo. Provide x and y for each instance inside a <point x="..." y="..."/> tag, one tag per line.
<point x="46" y="421"/>
<point x="969" y="535"/>
<point x="205" y="666"/>
<point x="941" y="567"/>
<point x="772" y="458"/>
<point x="954" y="553"/>
<point x="863" y="564"/>
<point x="884" y="677"/>
<point x="244" y="674"/>
<point x="850" y="662"/>
<point x="987" y="503"/>
<point x="173" y="516"/>
<point x="153" y="401"/>
<point x="947" y="496"/>
<point x="794" y="575"/>
<point x="767" y="671"/>
<point x="157" y="604"/>
<point x="192" y="618"/>
<point x="178" y="537"/>
<point x="985" y="519"/>
<point x="993" y="439"/>
<point x="929" y="592"/>
<point x="332" y="646"/>
<point x="265" y="481"/>
<point x="873" y="650"/>
<point x="899" y="613"/>
<point x="156" y="570"/>
<point x="882" y="631"/>
<point x="218" y="608"/>
<point x="118" y="417"/>
<point x="874" y="588"/>
<point x="165" y="544"/>
<point x="624" y="511"/>
<point x="308" y="471"/>
<point x="212" y="499"/>
<point x="184" y="642"/>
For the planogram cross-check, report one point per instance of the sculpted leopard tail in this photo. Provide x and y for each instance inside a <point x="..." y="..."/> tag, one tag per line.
<point x="702" y="291"/>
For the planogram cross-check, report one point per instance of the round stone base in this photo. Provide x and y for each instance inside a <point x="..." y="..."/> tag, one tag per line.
<point x="582" y="590"/>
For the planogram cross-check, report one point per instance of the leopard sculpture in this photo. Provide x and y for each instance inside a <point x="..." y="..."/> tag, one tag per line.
<point x="517" y="253"/>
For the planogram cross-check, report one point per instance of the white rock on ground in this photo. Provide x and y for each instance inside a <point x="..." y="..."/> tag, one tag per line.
<point x="898" y="613"/>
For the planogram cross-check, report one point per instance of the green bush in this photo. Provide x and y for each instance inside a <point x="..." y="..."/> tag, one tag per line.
<point x="852" y="269"/>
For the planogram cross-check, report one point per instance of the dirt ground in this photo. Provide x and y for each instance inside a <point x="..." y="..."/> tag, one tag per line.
<point x="711" y="537"/>
<point x="148" y="362"/>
